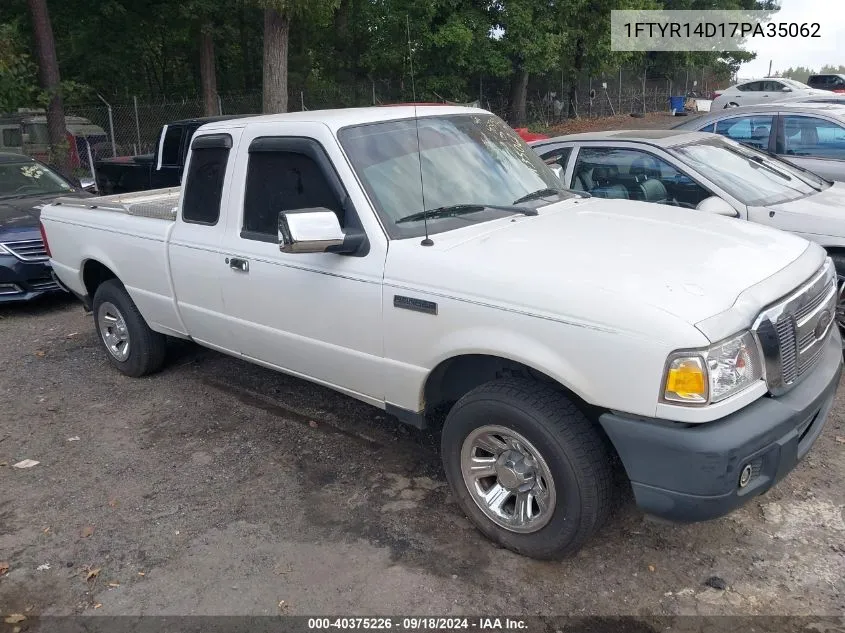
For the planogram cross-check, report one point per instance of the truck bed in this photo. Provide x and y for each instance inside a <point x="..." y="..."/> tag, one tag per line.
<point x="159" y="204"/>
<point x="127" y="233"/>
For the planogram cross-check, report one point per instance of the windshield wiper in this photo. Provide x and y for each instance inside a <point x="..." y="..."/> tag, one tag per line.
<point x="462" y="209"/>
<point x="759" y="160"/>
<point x="549" y="191"/>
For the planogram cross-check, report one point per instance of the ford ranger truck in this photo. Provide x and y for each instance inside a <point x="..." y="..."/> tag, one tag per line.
<point x="432" y="264"/>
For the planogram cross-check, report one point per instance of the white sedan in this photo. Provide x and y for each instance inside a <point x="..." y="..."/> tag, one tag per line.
<point x="764" y="90"/>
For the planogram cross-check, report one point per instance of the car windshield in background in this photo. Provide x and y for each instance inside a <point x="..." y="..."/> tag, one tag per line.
<point x="471" y="163"/>
<point x="19" y="180"/>
<point x="753" y="178"/>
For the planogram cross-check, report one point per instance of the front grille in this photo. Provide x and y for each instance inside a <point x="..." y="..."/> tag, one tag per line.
<point x="28" y="250"/>
<point x="792" y="332"/>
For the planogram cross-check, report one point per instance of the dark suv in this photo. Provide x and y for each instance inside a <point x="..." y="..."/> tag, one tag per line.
<point x="835" y="83"/>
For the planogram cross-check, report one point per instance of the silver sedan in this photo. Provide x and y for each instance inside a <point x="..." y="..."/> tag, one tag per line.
<point x="810" y="135"/>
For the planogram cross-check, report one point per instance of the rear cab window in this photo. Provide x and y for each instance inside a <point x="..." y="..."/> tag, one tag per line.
<point x="205" y="179"/>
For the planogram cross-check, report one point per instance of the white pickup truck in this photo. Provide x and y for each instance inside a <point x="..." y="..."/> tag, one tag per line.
<point x="433" y="266"/>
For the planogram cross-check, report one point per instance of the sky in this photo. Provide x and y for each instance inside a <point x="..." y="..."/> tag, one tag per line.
<point x="812" y="53"/>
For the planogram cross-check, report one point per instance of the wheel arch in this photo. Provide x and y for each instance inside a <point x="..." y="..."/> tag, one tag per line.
<point x="94" y="273"/>
<point x="459" y="374"/>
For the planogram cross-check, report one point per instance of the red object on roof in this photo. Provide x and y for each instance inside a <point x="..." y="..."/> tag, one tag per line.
<point x="529" y="136"/>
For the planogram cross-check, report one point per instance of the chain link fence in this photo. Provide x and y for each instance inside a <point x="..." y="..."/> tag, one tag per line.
<point x="131" y="128"/>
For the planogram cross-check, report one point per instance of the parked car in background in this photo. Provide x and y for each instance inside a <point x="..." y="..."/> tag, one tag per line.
<point x="763" y="90"/>
<point x="831" y="97"/>
<point x="432" y="265"/>
<point x="705" y="172"/>
<point x="810" y="135"/>
<point x="832" y="82"/>
<point x="26" y="185"/>
<point x="162" y="168"/>
<point x="26" y="133"/>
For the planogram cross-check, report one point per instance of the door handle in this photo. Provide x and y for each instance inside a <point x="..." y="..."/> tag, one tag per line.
<point x="236" y="263"/>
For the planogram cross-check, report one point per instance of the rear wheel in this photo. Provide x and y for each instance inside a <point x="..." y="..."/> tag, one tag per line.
<point x="732" y="104"/>
<point x="525" y="465"/>
<point x="129" y="342"/>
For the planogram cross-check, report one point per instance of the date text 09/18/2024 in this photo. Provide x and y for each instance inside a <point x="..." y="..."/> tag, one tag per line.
<point x="418" y="623"/>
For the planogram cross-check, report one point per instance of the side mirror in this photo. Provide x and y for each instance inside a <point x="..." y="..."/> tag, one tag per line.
<point x="786" y="89"/>
<point x="558" y="170"/>
<point x="716" y="205"/>
<point x="310" y="231"/>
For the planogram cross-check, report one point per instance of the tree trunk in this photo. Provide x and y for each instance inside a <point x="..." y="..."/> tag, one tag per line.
<point x="246" y="65"/>
<point x="48" y="73"/>
<point x="577" y="64"/>
<point x="519" y="90"/>
<point x="208" y="71"/>
<point x="276" y="37"/>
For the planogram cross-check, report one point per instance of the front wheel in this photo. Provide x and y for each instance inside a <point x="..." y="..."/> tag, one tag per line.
<point x="525" y="465"/>
<point x="131" y="345"/>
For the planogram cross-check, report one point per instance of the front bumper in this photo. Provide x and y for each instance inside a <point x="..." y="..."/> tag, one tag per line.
<point x="691" y="473"/>
<point x="22" y="281"/>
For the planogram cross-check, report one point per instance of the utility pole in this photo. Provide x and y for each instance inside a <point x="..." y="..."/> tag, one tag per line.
<point x="770" y="69"/>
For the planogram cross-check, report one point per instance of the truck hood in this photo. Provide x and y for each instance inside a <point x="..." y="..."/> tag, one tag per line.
<point x="822" y="213"/>
<point x="589" y="260"/>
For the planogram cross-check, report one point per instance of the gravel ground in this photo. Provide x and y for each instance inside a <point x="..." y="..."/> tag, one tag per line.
<point x="218" y="487"/>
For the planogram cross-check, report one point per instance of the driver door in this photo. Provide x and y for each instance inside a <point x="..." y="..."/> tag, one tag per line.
<point x="316" y="315"/>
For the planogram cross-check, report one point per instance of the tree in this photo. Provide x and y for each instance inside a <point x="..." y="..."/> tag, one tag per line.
<point x="208" y="70"/>
<point x="18" y="83"/>
<point x="530" y="36"/>
<point x="48" y="71"/>
<point x="278" y="15"/>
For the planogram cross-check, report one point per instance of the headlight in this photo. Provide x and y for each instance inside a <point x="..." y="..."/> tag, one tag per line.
<point x="699" y="377"/>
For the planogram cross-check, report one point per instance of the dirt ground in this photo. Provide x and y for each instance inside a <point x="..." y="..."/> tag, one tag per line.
<point x="652" y="120"/>
<point x="218" y="487"/>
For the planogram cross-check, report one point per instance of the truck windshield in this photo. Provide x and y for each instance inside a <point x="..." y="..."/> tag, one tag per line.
<point x="752" y="177"/>
<point x="468" y="161"/>
<point x="18" y="180"/>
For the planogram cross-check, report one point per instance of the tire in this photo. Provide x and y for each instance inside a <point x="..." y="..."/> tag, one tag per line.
<point x="732" y="104"/>
<point x="839" y="263"/>
<point x="574" y="454"/>
<point x="130" y="344"/>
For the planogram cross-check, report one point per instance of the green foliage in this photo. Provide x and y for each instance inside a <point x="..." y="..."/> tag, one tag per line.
<point x="18" y="80"/>
<point x="341" y="51"/>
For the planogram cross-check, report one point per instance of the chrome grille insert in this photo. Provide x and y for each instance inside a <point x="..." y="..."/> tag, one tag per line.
<point x="792" y="332"/>
<point x="27" y="250"/>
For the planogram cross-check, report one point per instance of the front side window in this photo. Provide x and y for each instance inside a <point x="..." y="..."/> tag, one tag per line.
<point x="171" y="146"/>
<point x="753" y="178"/>
<point x="636" y="175"/>
<point x="810" y="136"/>
<point x="751" y="130"/>
<point x="279" y="181"/>
<point x="458" y="162"/>
<point x="204" y="185"/>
